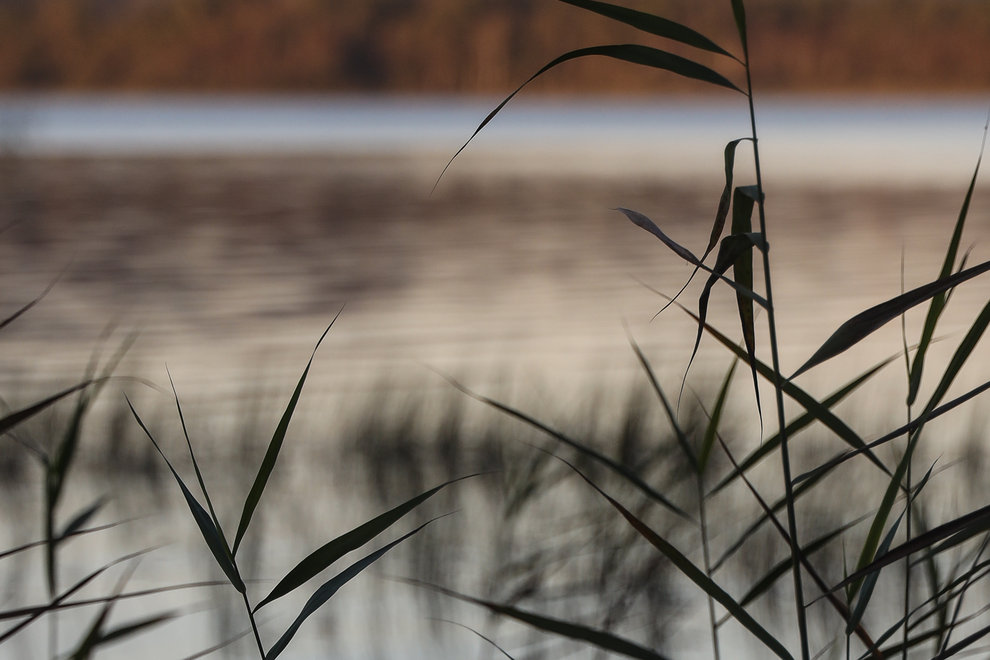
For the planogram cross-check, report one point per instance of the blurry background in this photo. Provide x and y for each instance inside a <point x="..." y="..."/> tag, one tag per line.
<point x="220" y="177"/>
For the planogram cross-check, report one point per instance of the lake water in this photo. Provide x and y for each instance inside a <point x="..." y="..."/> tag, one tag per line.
<point x="228" y="232"/>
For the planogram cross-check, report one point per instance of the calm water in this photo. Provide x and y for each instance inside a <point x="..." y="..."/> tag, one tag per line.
<point x="228" y="232"/>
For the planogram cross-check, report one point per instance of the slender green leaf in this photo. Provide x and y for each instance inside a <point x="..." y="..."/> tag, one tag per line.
<point x="641" y="220"/>
<point x="870" y="581"/>
<point x="711" y="430"/>
<point x="632" y="53"/>
<point x="16" y="315"/>
<point x="325" y="592"/>
<point x="722" y="212"/>
<point x="742" y="273"/>
<point x="323" y="557"/>
<point x="953" y="532"/>
<point x="199" y="473"/>
<point x="57" y="600"/>
<point x="600" y="638"/>
<point x="80" y="519"/>
<point x="863" y="324"/>
<point x="652" y="24"/>
<point x="693" y="573"/>
<point x="784" y="567"/>
<point x="209" y="531"/>
<point x="939" y="301"/>
<point x="808" y="402"/>
<point x="135" y="627"/>
<point x="898" y="432"/>
<point x="490" y="641"/>
<point x="739" y="12"/>
<point x="682" y="438"/>
<point x="731" y="249"/>
<point x="271" y="456"/>
<point x="92" y="638"/>
<point x="11" y="420"/>
<point x="798" y="424"/>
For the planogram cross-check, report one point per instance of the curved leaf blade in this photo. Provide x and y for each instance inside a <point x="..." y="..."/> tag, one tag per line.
<point x="939" y="301"/>
<point x="632" y="53"/>
<point x="325" y="592"/>
<point x="652" y="24"/>
<point x="210" y="533"/>
<point x="321" y="559"/>
<point x="865" y="323"/>
<point x="274" y="447"/>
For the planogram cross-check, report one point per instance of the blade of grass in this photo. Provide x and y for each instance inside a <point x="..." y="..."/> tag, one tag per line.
<point x="57" y="600"/>
<point x="939" y="301"/>
<point x="199" y="473"/>
<point x="652" y="24"/>
<point x="271" y="456"/>
<point x="632" y="53"/>
<point x="11" y="420"/>
<point x="870" y="581"/>
<point x="321" y="559"/>
<point x="800" y="423"/>
<point x="644" y="222"/>
<point x="808" y="402"/>
<point x="682" y="439"/>
<point x="711" y="429"/>
<point x="742" y="273"/>
<point x="206" y="527"/>
<point x="325" y="592"/>
<point x="863" y="324"/>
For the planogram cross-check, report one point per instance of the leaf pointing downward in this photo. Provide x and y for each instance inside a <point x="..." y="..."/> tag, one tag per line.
<point x="323" y="557"/>
<point x="862" y="325"/>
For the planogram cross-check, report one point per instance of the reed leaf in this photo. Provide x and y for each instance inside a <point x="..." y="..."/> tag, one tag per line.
<point x="939" y="301"/>
<point x="870" y="580"/>
<point x="682" y="439"/>
<point x="742" y="272"/>
<point x="11" y="420"/>
<point x="77" y="522"/>
<point x="199" y="473"/>
<point x="325" y="592"/>
<point x="865" y="323"/>
<point x="739" y="13"/>
<point x="808" y="402"/>
<point x="652" y="24"/>
<point x="274" y="447"/>
<point x="323" y="557"/>
<point x="711" y="429"/>
<point x="641" y="220"/>
<point x="632" y="53"/>
<point x="211" y="534"/>
<point x="798" y="424"/>
<point x="722" y="212"/>
<point x="948" y="534"/>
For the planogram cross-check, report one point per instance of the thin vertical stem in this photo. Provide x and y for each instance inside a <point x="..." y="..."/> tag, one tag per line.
<point x="254" y="625"/>
<point x="778" y="379"/>
<point x="706" y="552"/>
